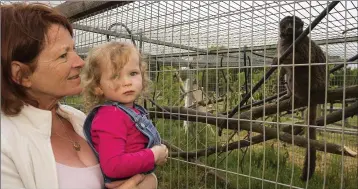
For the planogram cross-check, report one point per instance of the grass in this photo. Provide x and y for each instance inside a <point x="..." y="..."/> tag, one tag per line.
<point x="178" y="174"/>
<point x="75" y="101"/>
<point x="264" y="166"/>
<point x="267" y="165"/>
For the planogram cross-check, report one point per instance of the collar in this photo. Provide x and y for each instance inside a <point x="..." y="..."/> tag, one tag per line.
<point x="41" y="120"/>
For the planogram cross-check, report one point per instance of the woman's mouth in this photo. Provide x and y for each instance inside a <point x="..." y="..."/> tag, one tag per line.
<point x="74" y="77"/>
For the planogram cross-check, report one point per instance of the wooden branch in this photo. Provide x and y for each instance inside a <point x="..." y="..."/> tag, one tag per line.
<point x="204" y="103"/>
<point x="171" y="147"/>
<point x="284" y="92"/>
<point x="248" y="106"/>
<point x="333" y="117"/>
<point x="245" y="143"/>
<point x="192" y="159"/>
<point x="252" y="125"/>
<point x="205" y="117"/>
<point x="285" y="105"/>
<point x="211" y="150"/>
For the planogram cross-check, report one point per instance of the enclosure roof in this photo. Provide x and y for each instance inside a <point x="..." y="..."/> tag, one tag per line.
<point x="50" y="3"/>
<point x="226" y="24"/>
<point x="169" y="27"/>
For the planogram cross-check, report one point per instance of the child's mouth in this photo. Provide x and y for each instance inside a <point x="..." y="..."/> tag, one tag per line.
<point x="128" y="92"/>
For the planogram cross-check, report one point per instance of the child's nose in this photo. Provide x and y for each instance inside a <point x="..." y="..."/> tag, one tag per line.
<point x="127" y="81"/>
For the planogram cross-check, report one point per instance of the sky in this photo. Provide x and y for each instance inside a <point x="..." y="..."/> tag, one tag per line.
<point x="229" y="24"/>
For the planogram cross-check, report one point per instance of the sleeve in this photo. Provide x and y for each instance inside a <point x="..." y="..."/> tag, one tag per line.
<point x="10" y="178"/>
<point x="111" y="129"/>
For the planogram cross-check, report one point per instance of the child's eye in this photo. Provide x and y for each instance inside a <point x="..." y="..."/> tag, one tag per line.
<point x="134" y="73"/>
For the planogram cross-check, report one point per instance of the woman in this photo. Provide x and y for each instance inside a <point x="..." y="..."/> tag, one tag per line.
<point x="42" y="142"/>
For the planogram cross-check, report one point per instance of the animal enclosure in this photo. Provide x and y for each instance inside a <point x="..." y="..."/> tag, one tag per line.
<point x="216" y="93"/>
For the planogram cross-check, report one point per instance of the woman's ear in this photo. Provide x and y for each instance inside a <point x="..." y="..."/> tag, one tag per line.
<point x="20" y="74"/>
<point x="98" y="91"/>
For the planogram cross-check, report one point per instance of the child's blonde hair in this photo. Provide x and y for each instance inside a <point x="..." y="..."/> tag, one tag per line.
<point x="116" y="53"/>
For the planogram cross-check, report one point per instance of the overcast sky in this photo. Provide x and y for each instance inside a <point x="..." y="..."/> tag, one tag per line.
<point x="230" y="24"/>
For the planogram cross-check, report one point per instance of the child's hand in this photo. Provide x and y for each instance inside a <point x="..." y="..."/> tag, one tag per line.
<point x="160" y="154"/>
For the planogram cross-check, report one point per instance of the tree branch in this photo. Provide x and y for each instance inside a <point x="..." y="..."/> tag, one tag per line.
<point x="205" y="117"/>
<point x="192" y="159"/>
<point x="331" y="118"/>
<point x="252" y="125"/>
<point x="285" y="105"/>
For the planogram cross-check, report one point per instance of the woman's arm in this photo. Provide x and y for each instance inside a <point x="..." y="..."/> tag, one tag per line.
<point x="10" y="178"/>
<point x="131" y="183"/>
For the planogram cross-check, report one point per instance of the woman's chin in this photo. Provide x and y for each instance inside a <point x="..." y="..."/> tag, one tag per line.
<point x="75" y="91"/>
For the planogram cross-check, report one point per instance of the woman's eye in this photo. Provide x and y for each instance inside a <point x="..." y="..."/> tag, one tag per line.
<point x="63" y="55"/>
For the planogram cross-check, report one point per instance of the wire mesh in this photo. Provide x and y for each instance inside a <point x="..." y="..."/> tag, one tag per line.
<point x="203" y="57"/>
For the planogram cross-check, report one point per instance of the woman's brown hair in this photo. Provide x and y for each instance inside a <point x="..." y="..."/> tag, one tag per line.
<point x="23" y="31"/>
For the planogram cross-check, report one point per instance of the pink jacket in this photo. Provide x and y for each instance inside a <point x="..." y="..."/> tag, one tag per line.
<point x="121" y="146"/>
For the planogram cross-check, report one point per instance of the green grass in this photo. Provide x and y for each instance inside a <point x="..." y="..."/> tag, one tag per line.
<point x="259" y="171"/>
<point x="267" y="162"/>
<point x="263" y="166"/>
<point x="75" y="101"/>
<point x="177" y="174"/>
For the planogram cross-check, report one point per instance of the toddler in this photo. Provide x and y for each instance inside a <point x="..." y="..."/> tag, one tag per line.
<point x="114" y="77"/>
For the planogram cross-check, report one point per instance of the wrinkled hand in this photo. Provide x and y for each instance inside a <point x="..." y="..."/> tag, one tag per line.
<point x="160" y="154"/>
<point x="131" y="183"/>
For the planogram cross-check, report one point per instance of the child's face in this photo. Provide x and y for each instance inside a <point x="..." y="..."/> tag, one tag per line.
<point x="125" y="86"/>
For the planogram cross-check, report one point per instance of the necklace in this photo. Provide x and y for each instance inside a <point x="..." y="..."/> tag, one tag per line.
<point x="76" y="144"/>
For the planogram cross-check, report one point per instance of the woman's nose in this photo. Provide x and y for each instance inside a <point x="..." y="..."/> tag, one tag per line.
<point x="78" y="62"/>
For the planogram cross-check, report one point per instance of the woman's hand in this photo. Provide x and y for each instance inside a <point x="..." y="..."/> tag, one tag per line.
<point x="131" y="183"/>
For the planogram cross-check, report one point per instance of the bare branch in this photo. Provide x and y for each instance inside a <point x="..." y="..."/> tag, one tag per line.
<point x="205" y="117"/>
<point x="285" y="105"/>
<point x="205" y="102"/>
<point x="192" y="159"/>
<point x="349" y="111"/>
<point x="252" y="125"/>
<point x="255" y="127"/>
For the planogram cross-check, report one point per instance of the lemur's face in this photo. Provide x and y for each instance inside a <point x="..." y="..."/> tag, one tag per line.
<point x="290" y="25"/>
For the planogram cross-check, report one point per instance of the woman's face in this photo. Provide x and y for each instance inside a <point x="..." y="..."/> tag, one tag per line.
<point x="58" y="67"/>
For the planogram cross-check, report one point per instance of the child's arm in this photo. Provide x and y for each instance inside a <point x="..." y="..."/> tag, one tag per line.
<point x="110" y="126"/>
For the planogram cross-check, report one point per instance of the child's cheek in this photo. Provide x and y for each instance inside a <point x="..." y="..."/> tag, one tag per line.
<point x="112" y="85"/>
